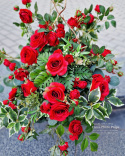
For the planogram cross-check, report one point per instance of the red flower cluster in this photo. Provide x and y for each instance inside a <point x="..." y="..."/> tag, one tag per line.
<point x="69" y="58"/>
<point x="20" y="74"/>
<point x="106" y="52"/>
<point x="63" y="147"/>
<point x="26" y="1"/>
<point x="11" y="66"/>
<point x="79" y="84"/>
<point x="74" y="94"/>
<point x="12" y="105"/>
<point x="60" y="31"/>
<point x="102" y="83"/>
<point x="76" y="129"/>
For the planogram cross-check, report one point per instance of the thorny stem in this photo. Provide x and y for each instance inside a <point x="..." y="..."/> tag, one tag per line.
<point x="64" y="19"/>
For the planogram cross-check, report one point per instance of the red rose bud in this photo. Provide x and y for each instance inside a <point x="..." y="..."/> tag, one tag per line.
<point x="52" y="39"/>
<point x="75" y="40"/>
<point x="97" y="8"/>
<point x="106" y="52"/>
<point x="12" y="66"/>
<point x="63" y="147"/>
<point x="82" y="84"/>
<point x="20" y="138"/>
<point x="74" y="94"/>
<point x="45" y="107"/>
<point x="10" y="77"/>
<point x="60" y="33"/>
<point x="26" y="1"/>
<point x="21" y="74"/>
<point x="11" y="105"/>
<point x="12" y="94"/>
<point x="76" y="102"/>
<point x="78" y="13"/>
<point x="25" y="129"/>
<point x="114" y="62"/>
<point x="72" y="22"/>
<point x="69" y="58"/>
<point x="77" y="79"/>
<point x="111" y="8"/>
<point x="16" y="8"/>
<point x="60" y="26"/>
<point x="50" y="28"/>
<point x="6" y="63"/>
<point x="6" y="102"/>
<point x="91" y="19"/>
<point x="120" y="74"/>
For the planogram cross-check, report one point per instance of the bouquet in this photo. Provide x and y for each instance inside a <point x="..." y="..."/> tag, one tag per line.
<point x="58" y="77"/>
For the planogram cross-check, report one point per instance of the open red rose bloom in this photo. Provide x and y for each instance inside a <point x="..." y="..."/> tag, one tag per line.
<point x="60" y="78"/>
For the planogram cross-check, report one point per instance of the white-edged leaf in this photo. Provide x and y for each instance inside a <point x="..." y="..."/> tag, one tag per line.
<point x="115" y="101"/>
<point x="94" y="95"/>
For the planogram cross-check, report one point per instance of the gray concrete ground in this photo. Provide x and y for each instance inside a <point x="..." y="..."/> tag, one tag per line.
<point x="111" y="141"/>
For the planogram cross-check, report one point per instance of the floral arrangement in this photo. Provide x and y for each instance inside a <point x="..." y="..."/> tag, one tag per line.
<point x="60" y="78"/>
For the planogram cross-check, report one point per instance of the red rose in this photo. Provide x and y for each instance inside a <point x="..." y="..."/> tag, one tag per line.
<point x="57" y="65"/>
<point x="12" y="66"/>
<point x="107" y="78"/>
<point x="54" y="92"/>
<point x="106" y="52"/>
<point x="73" y="137"/>
<point x="63" y="147"/>
<point x="99" y="81"/>
<point x="10" y="77"/>
<point x="74" y="94"/>
<point x="26" y="16"/>
<point x="21" y="139"/>
<point x="91" y="19"/>
<point x="12" y="94"/>
<point x="28" y="55"/>
<point x="75" y="129"/>
<point x="50" y="28"/>
<point x="43" y="26"/>
<point x="38" y="40"/>
<point x="60" y="26"/>
<point x="60" y="33"/>
<point x="75" y="40"/>
<point x="69" y="58"/>
<point x="16" y="8"/>
<point x="82" y="84"/>
<point x="72" y="22"/>
<point x="59" y="111"/>
<point x="45" y="107"/>
<point x="28" y="88"/>
<point x="26" y="1"/>
<point x="97" y="8"/>
<point x="52" y="39"/>
<point x="20" y="74"/>
<point x="75" y="84"/>
<point x="6" y="102"/>
<point x="6" y="63"/>
<point x="12" y="106"/>
<point x="25" y="129"/>
<point x="59" y="51"/>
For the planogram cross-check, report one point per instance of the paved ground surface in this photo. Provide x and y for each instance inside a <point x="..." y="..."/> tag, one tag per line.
<point x="111" y="141"/>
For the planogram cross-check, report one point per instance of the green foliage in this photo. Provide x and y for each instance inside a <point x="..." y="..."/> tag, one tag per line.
<point x="100" y="63"/>
<point x="89" y="129"/>
<point x="94" y="95"/>
<point x="36" y="8"/>
<point x="89" y="114"/>
<point x="13" y="115"/>
<point x="108" y="107"/>
<point x="94" y="136"/>
<point x="79" y="140"/>
<point x="98" y="114"/>
<point x="102" y="9"/>
<point x="107" y="25"/>
<point x="110" y="17"/>
<point x="43" y="58"/>
<point x="109" y="67"/>
<point x="60" y="130"/>
<point x="1" y="88"/>
<point x="93" y="146"/>
<point x="84" y="144"/>
<point x="87" y="19"/>
<point x="109" y="56"/>
<point x="34" y="73"/>
<point x="112" y="92"/>
<point x="95" y="49"/>
<point x="98" y="71"/>
<point x="115" y="101"/>
<point x="114" y="81"/>
<point x="52" y="122"/>
<point x="113" y="23"/>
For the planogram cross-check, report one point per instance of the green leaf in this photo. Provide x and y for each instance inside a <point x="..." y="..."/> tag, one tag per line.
<point x="52" y="122"/>
<point x="11" y="132"/>
<point x="98" y="71"/>
<point x="82" y="101"/>
<point x="11" y="125"/>
<point x="17" y="127"/>
<point x="60" y="130"/>
<point x="94" y="95"/>
<point x="115" y="101"/>
<point x="5" y="121"/>
<point x="47" y="82"/>
<point x="87" y="19"/>
<point x="21" y="118"/>
<point x="89" y="129"/>
<point x="109" y="56"/>
<point x="94" y="136"/>
<point x="102" y="9"/>
<point x="34" y="73"/>
<point x="94" y="35"/>
<point x="36" y="8"/>
<point x="109" y="67"/>
<point x="106" y="24"/>
<point x="2" y="115"/>
<point x="1" y="88"/>
<point x="17" y="82"/>
<point x="103" y="111"/>
<point x="39" y="17"/>
<point x="13" y="115"/>
<point x="43" y="58"/>
<point x="96" y="105"/>
<point x="101" y="50"/>
<point x="110" y="17"/>
<point x="114" y="81"/>
<point x="17" y="24"/>
<point x="93" y="146"/>
<point x="42" y="22"/>
<point x="89" y="114"/>
<point x="90" y="9"/>
<point x="47" y="17"/>
<point x="100" y="63"/>
<point x="113" y="23"/>
<point x="108" y="107"/>
<point x="79" y="140"/>
<point x="101" y="17"/>
<point x="8" y="82"/>
<point x="107" y="12"/>
<point x="98" y="114"/>
<point x="85" y="11"/>
<point x="3" y="111"/>
<point x="84" y="144"/>
<point x="95" y="49"/>
<point x="45" y="131"/>
<point x="54" y="15"/>
<point x="112" y="92"/>
<point x="42" y="30"/>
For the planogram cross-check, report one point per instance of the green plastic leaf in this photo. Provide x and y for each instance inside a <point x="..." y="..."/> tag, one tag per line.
<point x="114" y="81"/>
<point x="17" y="127"/>
<point x="52" y="122"/>
<point x="84" y="144"/>
<point x="98" y="114"/>
<point x="113" y="23"/>
<point x="87" y="19"/>
<point x="109" y="67"/>
<point x="110" y="17"/>
<point x="93" y="146"/>
<point x="107" y="25"/>
<point x="94" y="136"/>
<point x="94" y="95"/>
<point x="108" y="107"/>
<point x="1" y="88"/>
<point x="60" y="130"/>
<point x="13" y="115"/>
<point x="115" y="101"/>
<point x="79" y="140"/>
<point x="102" y="9"/>
<point x="21" y="118"/>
